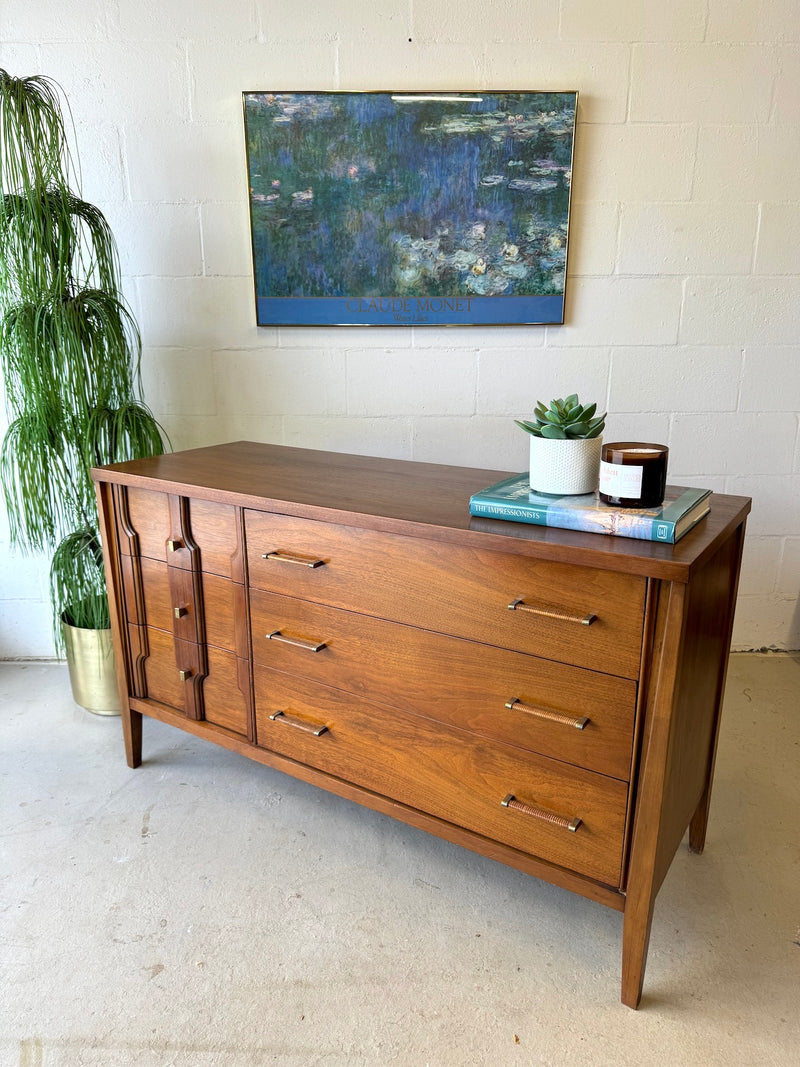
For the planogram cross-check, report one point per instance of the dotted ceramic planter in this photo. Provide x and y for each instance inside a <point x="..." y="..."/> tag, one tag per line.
<point x="565" y="468"/>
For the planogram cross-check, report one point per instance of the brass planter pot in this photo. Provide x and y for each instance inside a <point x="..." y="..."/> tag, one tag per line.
<point x="90" y="655"/>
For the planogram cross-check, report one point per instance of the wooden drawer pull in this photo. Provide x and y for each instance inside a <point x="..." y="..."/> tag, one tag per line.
<point x="551" y="716"/>
<point x="563" y="821"/>
<point x="306" y="727"/>
<point x="286" y="557"/>
<point x="551" y="613"/>
<point x="310" y="646"/>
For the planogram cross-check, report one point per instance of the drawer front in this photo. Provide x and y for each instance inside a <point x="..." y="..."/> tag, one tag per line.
<point x="452" y="680"/>
<point x="221" y="696"/>
<point x="148" y="517"/>
<point x="226" y="691"/>
<point x="455" y="590"/>
<point x="158" y="660"/>
<point x="447" y="773"/>
<point x="213" y="529"/>
<point x="222" y="599"/>
<point x="169" y="603"/>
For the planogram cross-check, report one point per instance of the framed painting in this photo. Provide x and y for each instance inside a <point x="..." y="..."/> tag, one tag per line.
<point x="379" y="208"/>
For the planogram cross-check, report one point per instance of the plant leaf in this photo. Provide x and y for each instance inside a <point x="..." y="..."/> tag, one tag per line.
<point x="529" y="427"/>
<point x="577" y="429"/>
<point x="555" y="433"/>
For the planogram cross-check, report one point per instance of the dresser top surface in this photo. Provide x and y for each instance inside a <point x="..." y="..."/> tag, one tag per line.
<point x="402" y="496"/>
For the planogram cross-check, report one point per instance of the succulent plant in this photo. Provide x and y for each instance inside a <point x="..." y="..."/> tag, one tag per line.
<point x="564" y="419"/>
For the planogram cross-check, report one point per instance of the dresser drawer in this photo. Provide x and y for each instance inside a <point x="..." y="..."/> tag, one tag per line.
<point x="171" y="672"/>
<point x="452" y="680"/>
<point x="447" y="773"/>
<point x="455" y="590"/>
<point x="168" y="602"/>
<point x="226" y="691"/>
<point x="213" y="528"/>
<point x="158" y="661"/>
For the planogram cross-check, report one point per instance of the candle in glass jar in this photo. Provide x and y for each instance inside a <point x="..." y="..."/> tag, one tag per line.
<point x="633" y="474"/>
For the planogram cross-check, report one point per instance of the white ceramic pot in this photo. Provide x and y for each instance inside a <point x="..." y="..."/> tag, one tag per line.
<point x="565" y="468"/>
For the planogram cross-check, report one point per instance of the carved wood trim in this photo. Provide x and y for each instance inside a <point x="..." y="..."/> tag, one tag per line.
<point x="186" y="584"/>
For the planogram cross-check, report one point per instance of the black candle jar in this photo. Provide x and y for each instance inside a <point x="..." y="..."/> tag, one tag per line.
<point x="633" y="474"/>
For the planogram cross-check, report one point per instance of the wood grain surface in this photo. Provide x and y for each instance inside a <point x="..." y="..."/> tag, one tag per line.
<point x="451" y="680"/>
<point x="449" y="773"/>
<point x="454" y="589"/>
<point x="416" y="499"/>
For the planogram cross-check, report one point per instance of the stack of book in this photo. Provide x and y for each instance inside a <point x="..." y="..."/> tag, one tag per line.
<point x="513" y="499"/>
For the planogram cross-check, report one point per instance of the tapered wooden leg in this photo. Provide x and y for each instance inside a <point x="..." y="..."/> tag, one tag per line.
<point x="635" y="942"/>
<point x="132" y="731"/>
<point x="699" y="823"/>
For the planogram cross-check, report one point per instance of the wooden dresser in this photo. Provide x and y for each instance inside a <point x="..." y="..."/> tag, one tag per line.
<point x="544" y="697"/>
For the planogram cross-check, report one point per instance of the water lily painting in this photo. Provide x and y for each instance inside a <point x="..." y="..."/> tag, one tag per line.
<point x="409" y="208"/>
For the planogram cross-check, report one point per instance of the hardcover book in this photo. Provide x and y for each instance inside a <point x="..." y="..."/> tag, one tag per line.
<point x="512" y="499"/>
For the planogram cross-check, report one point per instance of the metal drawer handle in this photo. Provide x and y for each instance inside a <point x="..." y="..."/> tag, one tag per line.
<point x="180" y="612"/>
<point x="287" y="557"/>
<point x="174" y="544"/>
<point x="563" y="821"/>
<point x="310" y="646"/>
<point x="551" y="716"/>
<point x="184" y="675"/>
<point x="551" y="613"/>
<point x="306" y="727"/>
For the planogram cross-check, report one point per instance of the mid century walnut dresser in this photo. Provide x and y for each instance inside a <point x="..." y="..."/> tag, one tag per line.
<point x="544" y="697"/>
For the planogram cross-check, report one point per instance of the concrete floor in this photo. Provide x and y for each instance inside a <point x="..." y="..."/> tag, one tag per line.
<point x="204" y="910"/>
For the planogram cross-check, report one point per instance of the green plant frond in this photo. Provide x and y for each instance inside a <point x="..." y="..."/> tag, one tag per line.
<point x="70" y="350"/>
<point x="102" y="326"/>
<point x="115" y="435"/>
<point x="86" y="345"/>
<point x="39" y="496"/>
<point x="97" y="248"/>
<point x="37" y="241"/>
<point x="33" y="145"/>
<point x="77" y="582"/>
<point x="56" y="242"/>
<point x="41" y="357"/>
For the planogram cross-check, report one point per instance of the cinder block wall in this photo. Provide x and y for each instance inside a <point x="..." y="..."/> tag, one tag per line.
<point x="683" y="311"/>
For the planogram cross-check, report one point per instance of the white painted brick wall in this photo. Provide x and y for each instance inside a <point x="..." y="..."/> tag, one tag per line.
<point x="701" y="82"/>
<point x="683" y="309"/>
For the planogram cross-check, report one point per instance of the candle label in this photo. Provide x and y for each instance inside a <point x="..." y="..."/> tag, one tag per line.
<point x="621" y="480"/>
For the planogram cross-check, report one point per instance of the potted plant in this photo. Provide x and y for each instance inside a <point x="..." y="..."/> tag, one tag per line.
<point x="565" y="446"/>
<point x="70" y="353"/>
